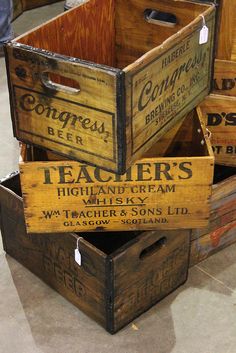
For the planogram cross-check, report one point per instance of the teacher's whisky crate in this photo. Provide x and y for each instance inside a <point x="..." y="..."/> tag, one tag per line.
<point x="120" y="277"/>
<point x="219" y="115"/>
<point x="170" y="191"/>
<point x="83" y="89"/>
<point x="221" y="231"/>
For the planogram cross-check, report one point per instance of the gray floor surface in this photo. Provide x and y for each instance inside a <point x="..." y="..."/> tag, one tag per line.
<point x="200" y="317"/>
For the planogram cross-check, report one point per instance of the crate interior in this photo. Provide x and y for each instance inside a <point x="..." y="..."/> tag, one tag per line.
<point x="188" y="141"/>
<point x="113" y="32"/>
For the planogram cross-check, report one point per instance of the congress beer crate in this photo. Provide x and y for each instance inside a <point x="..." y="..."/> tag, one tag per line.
<point x="119" y="278"/>
<point x="219" y="114"/>
<point x="221" y="231"/>
<point x="82" y="88"/>
<point x="170" y="191"/>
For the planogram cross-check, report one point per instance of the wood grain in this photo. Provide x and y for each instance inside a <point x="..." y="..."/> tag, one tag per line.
<point x="225" y="78"/>
<point x="219" y="114"/>
<point x="119" y="278"/>
<point x="226" y="46"/>
<point x="78" y="65"/>
<point x="221" y="230"/>
<point x="156" y="193"/>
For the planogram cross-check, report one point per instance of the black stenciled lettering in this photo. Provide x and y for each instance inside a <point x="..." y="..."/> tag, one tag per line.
<point x="141" y="170"/>
<point x="84" y="174"/>
<point x="162" y="169"/>
<point x="230" y="119"/>
<point x="150" y="91"/>
<point x="98" y="176"/>
<point x="29" y="103"/>
<point x="213" y="119"/>
<point x="26" y="102"/>
<point x="63" y="172"/>
<point x="188" y="171"/>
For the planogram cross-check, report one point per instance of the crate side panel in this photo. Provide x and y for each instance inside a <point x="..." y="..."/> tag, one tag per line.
<point x="86" y="32"/>
<point x="51" y="258"/>
<point x="226" y="42"/>
<point x="225" y="78"/>
<point x="162" y="88"/>
<point x="211" y="243"/>
<point x="81" y="124"/>
<point x="219" y="113"/>
<point x="139" y="282"/>
<point x="223" y="207"/>
<point x="155" y="193"/>
<point x="143" y="35"/>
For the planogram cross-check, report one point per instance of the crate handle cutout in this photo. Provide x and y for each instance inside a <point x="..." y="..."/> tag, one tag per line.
<point x="151" y="249"/>
<point x="46" y="80"/>
<point x="160" y="18"/>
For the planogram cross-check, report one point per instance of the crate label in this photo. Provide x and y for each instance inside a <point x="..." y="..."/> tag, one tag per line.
<point x="65" y="123"/>
<point x="73" y="196"/>
<point x="220" y="119"/>
<point x="169" y="87"/>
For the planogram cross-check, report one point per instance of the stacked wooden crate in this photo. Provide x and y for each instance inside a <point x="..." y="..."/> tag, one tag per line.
<point x="219" y="115"/>
<point x="113" y="149"/>
<point x="219" y="109"/>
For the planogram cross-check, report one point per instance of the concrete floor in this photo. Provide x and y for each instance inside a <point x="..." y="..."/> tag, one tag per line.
<point x="200" y="317"/>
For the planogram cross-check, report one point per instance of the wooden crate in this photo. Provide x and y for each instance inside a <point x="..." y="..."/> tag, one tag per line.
<point x="167" y="192"/>
<point x="119" y="278"/>
<point x="219" y="114"/>
<point x="221" y="231"/>
<point x="83" y="88"/>
<point x="225" y="78"/>
<point x="226" y="38"/>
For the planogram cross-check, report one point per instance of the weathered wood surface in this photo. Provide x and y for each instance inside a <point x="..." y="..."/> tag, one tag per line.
<point x="98" y="98"/>
<point x="221" y="231"/>
<point x="211" y="243"/>
<point x="52" y="258"/>
<point x="219" y="114"/>
<point x="166" y="192"/>
<point x="225" y="78"/>
<point x="143" y="278"/>
<point x="120" y="277"/>
<point x="226" y="42"/>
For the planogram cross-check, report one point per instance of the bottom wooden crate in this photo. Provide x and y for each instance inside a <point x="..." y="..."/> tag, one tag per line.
<point x="221" y="230"/>
<point x="121" y="276"/>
